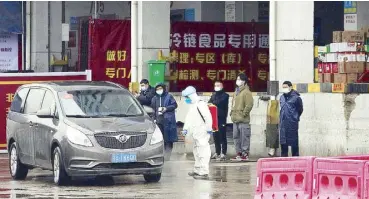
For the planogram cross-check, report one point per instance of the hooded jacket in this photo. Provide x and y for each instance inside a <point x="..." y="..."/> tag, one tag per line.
<point x="168" y="119"/>
<point x="289" y="117"/>
<point x="242" y="104"/>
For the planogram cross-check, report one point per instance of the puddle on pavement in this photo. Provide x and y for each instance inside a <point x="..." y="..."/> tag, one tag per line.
<point x="16" y="195"/>
<point x="22" y="195"/>
<point x="222" y="174"/>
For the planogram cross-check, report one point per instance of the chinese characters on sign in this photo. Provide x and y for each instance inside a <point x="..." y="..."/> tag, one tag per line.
<point x="119" y="55"/>
<point x="350" y="22"/>
<point x="8" y="52"/>
<point x="9" y="98"/>
<point x="113" y="56"/>
<point x="189" y="40"/>
<point x="110" y="58"/>
<point x="206" y="52"/>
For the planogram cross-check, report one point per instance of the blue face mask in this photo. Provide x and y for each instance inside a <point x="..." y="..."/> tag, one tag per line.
<point x="188" y="100"/>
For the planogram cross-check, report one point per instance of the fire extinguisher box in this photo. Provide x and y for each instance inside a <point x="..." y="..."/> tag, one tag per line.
<point x="156" y="71"/>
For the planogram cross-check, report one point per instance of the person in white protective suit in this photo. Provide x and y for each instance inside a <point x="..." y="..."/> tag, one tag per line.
<point x="198" y="125"/>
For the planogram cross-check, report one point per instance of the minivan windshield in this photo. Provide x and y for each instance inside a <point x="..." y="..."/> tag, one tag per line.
<point x="99" y="103"/>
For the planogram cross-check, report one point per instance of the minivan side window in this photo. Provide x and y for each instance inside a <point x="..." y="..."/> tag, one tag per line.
<point x="18" y="100"/>
<point x="49" y="101"/>
<point x="34" y="100"/>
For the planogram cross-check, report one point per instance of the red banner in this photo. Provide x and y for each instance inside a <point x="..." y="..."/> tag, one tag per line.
<point x="110" y="50"/>
<point x="206" y="52"/>
<point x="9" y="84"/>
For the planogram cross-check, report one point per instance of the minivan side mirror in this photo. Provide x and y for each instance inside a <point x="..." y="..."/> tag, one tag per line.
<point x="44" y="113"/>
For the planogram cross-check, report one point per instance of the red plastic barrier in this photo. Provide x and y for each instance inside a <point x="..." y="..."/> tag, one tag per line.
<point x="353" y="157"/>
<point x="284" y="178"/>
<point x="340" y="178"/>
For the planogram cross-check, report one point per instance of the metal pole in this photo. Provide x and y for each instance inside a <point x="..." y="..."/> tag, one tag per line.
<point x="23" y="39"/>
<point x="134" y="24"/>
<point x="95" y="10"/>
<point x="48" y="35"/>
<point x="63" y="21"/>
<point x="272" y="42"/>
<point x="28" y="35"/>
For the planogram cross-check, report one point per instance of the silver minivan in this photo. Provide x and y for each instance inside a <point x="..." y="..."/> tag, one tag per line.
<point x="82" y="128"/>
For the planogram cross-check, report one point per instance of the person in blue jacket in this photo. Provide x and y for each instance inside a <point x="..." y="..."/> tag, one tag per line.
<point x="289" y="118"/>
<point x="164" y="106"/>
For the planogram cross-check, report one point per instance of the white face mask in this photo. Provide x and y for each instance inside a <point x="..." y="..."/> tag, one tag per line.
<point x="143" y="88"/>
<point x="286" y="90"/>
<point x="217" y="88"/>
<point x="239" y="83"/>
<point x="159" y="92"/>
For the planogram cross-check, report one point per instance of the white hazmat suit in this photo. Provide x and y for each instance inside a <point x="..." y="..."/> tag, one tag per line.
<point x="199" y="126"/>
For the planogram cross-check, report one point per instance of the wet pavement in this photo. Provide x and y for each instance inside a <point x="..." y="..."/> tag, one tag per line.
<point x="227" y="180"/>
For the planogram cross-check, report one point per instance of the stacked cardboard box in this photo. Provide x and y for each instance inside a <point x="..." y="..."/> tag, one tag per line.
<point x="341" y="72"/>
<point x="344" y="60"/>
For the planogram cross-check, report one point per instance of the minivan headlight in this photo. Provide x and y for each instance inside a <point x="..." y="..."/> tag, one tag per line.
<point x="157" y="136"/>
<point x="77" y="137"/>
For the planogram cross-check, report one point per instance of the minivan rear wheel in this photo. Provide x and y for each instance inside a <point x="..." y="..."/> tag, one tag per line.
<point x="152" y="177"/>
<point x="60" y="176"/>
<point x="18" y="171"/>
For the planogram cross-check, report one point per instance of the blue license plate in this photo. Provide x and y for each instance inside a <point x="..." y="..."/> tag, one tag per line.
<point x="122" y="158"/>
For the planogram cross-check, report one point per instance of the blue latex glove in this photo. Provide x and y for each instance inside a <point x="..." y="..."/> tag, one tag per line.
<point x="184" y="132"/>
<point x="210" y="132"/>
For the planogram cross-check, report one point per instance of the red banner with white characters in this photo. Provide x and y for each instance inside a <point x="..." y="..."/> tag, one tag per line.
<point x="9" y="84"/>
<point x="207" y="51"/>
<point x="110" y="50"/>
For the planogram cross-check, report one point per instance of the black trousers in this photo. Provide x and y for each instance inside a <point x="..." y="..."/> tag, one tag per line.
<point x="220" y="140"/>
<point x="294" y="148"/>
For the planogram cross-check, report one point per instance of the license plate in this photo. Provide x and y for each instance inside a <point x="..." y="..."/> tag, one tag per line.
<point x="122" y="158"/>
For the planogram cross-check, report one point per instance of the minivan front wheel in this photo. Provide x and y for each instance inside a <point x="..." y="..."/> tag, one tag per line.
<point x="152" y="177"/>
<point x="18" y="170"/>
<point x="60" y="176"/>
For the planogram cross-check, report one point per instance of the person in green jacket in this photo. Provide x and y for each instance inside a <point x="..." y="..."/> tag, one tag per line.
<point x="240" y="114"/>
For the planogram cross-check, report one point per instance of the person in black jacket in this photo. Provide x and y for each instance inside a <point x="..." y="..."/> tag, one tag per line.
<point x="221" y="100"/>
<point x="146" y="94"/>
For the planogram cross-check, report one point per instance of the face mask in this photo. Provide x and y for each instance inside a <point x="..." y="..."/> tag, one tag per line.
<point x="188" y="100"/>
<point x="143" y="88"/>
<point x="159" y="92"/>
<point x="286" y="90"/>
<point x="239" y="83"/>
<point x="217" y="88"/>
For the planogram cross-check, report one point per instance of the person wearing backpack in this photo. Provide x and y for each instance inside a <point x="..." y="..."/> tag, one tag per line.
<point x="198" y="125"/>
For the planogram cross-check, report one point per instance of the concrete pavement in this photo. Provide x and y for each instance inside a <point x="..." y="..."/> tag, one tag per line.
<point x="227" y="180"/>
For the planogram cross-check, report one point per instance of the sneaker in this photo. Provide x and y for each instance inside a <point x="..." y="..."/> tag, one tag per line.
<point x="271" y="152"/>
<point x="245" y="157"/>
<point x="237" y="158"/>
<point x="215" y="156"/>
<point x="222" y="157"/>
<point x="192" y="174"/>
<point x="201" y="177"/>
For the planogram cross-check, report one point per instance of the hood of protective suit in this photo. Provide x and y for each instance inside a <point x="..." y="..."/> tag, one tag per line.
<point x="190" y="92"/>
<point x="194" y="98"/>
